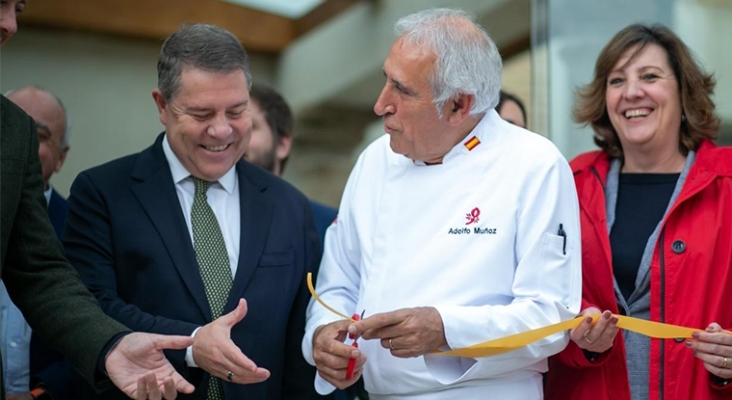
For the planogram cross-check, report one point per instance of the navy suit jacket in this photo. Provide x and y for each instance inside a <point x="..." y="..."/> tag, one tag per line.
<point x="127" y="236"/>
<point x="324" y="216"/>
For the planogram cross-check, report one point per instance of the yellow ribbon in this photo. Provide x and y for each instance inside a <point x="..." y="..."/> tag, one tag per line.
<point x="322" y="303"/>
<point x="505" y="344"/>
<point x="656" y="330"/>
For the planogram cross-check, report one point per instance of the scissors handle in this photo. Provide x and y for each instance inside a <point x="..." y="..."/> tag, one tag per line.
<point x="352" y="361"/>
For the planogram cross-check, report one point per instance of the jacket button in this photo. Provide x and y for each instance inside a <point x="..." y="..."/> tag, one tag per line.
<point x="678" y="246"/>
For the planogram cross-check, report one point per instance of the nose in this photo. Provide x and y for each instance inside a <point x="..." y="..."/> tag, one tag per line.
<point x="8" y="24"/>
<point x="384" y="105"/>
<point x="220" y="126"/>
<point x="633" y="90"/>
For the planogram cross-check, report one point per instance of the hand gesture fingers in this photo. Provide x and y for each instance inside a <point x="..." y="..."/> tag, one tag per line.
<point x="244" y="377"/>
<point x="337" y="376"/>
<point x="235" y="316"/>
<point x="147" y="388"/>
<point x="328" y="340"/>
<point x="373" y="326"/>
<point x="137" y="365"/>
<point x="169" y="390"/>
<point x="236" y="367"/>
<point x="597" y="337"/>
<point x="331" y="355"/>
<point x="409" y="332"/>
<point x="215" y="352"/>
<point x="714" y="348"/>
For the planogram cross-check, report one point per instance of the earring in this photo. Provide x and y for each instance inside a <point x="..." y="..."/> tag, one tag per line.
<point x="683" y="117"/>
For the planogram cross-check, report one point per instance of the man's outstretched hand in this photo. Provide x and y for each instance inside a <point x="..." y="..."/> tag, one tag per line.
<point x="138" y="367"/>
<point x="215" y="352"/>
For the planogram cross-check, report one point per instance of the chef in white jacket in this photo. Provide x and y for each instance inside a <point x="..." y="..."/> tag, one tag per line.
<point x="454" y="229"/>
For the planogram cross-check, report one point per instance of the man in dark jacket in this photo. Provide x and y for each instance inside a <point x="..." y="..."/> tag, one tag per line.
<point x="45" y="286"/>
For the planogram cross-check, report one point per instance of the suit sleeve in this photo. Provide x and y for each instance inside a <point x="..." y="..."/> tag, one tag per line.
<point x="89" y="243"/>
<point x="43" y="284"/>
<point x="298" y="379"/>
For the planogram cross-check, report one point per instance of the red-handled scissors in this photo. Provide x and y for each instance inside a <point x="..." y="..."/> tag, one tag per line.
<point x="352" y="361"/>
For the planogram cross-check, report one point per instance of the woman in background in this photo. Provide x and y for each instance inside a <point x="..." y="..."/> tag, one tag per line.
<point x="511" y="109"/>
<point x="656" y="219"/>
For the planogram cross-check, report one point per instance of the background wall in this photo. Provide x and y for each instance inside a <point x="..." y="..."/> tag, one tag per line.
<point x="332" y="76"/>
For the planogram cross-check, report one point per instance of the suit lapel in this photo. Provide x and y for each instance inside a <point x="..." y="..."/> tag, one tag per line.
<point x="256" y="213"/>
<point x="154" y="188"/>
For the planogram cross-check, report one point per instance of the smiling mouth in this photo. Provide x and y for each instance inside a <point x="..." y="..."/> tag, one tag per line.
<point x="216" y="148"/>
<point x="637" y="113"/>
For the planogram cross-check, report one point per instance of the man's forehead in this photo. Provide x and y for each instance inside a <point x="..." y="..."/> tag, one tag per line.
<point x="187" y="104"/>
<point x="412" y="48"/>
<point x="409" y="63"/>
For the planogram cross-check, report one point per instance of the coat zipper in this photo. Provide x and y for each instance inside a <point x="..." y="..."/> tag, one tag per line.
<point x="597" y="175"/>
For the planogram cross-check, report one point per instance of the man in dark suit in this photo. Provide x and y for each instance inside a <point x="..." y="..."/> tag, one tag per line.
<point x="272" y="127"/>
<point x="173" y="237"/>
<point x="44" y="285"/>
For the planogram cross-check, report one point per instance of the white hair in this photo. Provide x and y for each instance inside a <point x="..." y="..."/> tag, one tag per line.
<point x="467" y="61"/>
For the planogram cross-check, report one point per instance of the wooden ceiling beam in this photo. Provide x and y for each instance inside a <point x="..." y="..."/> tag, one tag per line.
<point x="157" y="19"/>
<point x="320" y="14"/>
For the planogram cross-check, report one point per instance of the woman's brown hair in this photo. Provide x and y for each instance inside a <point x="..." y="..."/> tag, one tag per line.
<point x="695" y="88"/>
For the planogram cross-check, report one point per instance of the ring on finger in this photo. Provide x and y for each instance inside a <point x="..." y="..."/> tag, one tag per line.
<point x="230" y="376"/>
<point x="724" y="362"/>
<point x="587" y="339"/>
<point x="391" y="345"/>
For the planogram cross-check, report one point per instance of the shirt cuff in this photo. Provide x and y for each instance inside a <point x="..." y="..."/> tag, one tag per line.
<point x="189" y="351"/>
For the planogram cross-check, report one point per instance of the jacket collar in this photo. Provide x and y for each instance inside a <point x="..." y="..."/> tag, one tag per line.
<point x="713" y="159"/>
<point x="154" y="188"/>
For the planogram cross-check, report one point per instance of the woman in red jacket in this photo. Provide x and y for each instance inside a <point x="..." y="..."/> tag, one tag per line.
<point x="656" y="219"/>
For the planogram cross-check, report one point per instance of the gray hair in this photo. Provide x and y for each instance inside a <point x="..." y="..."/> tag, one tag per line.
<point x="199" y="46"/>
<point x="67" y="117"/>
<point x="467" y="61"/>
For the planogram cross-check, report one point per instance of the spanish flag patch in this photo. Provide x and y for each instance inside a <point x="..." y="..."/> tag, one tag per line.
<point x="471" y="143"/>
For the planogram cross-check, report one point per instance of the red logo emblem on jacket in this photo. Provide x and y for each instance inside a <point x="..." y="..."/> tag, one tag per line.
<point x="473" y="216"/>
